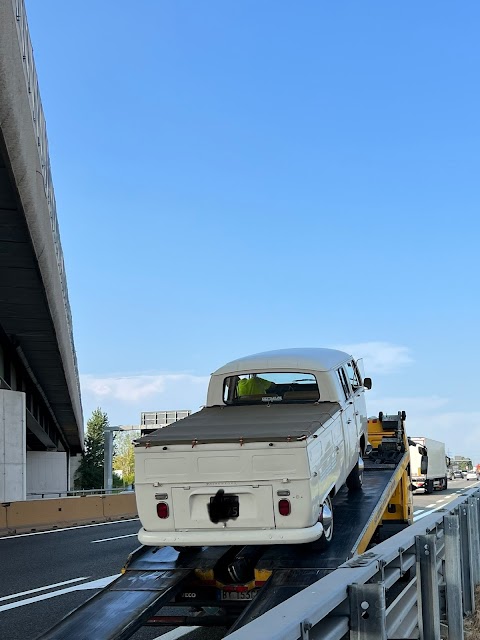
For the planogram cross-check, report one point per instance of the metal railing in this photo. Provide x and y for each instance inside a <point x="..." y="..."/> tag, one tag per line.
<point x="40" y="130"/>
<point x="79" y="492"/>
<point x="417" y="584"/>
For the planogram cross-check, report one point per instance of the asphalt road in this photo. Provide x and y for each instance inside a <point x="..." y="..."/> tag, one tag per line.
<point x="44" y="576"/>
<point x="424" y="504"/>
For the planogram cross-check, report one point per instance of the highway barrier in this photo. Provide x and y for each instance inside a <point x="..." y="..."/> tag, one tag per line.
<point x="3" y="518"/>
<point x="417" y="584"/>
<point x="41" y="515"/>
<point x="116" y="507"/>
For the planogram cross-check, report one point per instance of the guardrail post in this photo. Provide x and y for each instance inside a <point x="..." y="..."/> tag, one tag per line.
<point x="474" y="539"/>
<point x="466" y="554"/>
<point x="453" y="577"/>
<point x="427" y="587"/>
<point x="368" y="611"/>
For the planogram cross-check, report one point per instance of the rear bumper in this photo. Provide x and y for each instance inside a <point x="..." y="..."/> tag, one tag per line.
<point x="225" y="537"/>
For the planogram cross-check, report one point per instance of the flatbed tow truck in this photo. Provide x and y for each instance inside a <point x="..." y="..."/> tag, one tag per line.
<point x="231" y="586"/>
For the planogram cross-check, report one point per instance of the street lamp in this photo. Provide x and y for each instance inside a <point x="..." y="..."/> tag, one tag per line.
<point x="108" y="457"/>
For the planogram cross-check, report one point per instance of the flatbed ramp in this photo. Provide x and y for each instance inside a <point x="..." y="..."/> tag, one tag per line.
<point x="152" y="579"/>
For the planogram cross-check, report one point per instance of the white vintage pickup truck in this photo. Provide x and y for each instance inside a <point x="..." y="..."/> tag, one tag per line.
<point x="281" y="432"/>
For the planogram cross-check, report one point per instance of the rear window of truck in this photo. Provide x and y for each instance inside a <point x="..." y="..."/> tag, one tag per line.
<point x="270" y="388"/>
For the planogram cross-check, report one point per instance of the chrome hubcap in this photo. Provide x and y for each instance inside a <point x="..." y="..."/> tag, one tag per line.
<point x="326" y="518"/>
<point x="361" y="465"/>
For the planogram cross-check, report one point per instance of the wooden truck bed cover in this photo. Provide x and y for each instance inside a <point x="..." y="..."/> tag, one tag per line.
<point x="251" y="423"/>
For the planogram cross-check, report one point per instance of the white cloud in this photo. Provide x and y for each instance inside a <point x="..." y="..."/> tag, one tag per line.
<point x="134" y="388"/>
<point x="123" y="398"/>
<point x="380" y="357"/>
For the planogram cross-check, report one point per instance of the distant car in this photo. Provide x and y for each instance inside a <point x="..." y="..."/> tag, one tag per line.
<point x="472" y="475"/>
<point x="457" y="474"/>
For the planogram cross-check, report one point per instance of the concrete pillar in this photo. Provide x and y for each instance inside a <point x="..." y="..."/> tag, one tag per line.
<point x="13" y="448"/>
<point x="74" y="463"/>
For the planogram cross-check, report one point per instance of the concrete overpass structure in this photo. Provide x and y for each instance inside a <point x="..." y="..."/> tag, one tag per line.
<point x="41" y="423"/>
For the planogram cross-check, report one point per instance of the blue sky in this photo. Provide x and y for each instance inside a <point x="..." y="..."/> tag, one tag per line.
<point x="234" y="177"/>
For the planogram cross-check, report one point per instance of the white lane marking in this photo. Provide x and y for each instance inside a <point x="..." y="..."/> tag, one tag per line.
<point x="48" y="586"/>
<point x="129" y="535"/>
<point x="441" y="500"/>
<point x="82" y="526"/>
<point x="430" y="505"/>
<point x="426" y="513"/>
<point x="179" y="632"/>
<point x="94" y="584"/>
<point x="417" y="511"/>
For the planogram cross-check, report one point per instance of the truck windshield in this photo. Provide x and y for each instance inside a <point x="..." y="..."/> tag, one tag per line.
<point x="269" y="387"/>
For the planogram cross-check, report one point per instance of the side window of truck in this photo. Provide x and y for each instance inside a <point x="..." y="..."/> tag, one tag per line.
<point x="353" y="375"/>
<point x="343" y="382"/>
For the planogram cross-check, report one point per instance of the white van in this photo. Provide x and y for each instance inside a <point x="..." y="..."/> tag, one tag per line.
<point x="282" y="431"/>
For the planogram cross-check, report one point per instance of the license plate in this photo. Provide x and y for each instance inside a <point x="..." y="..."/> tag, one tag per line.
<point x="223" y="506"/>
<point x="239" y="595"/>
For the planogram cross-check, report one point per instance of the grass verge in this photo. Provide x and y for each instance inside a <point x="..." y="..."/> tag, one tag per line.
<point x="472" y="623"/>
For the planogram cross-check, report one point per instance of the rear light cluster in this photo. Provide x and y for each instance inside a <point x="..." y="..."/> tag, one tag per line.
<point x="284" y="507"/>
<point x="162" y="510"/>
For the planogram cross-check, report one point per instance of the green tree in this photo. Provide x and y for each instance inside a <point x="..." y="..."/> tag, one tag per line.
<point x="90" y="470"/>
<point x="124" y="456"/>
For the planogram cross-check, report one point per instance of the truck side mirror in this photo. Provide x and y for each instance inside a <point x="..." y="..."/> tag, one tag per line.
<point x="424" y="465"/>
<point x="367" y="383"/>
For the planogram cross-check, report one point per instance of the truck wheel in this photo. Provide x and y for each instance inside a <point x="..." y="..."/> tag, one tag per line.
<point x="326" y="518"/>
<point x="355" y="477"/>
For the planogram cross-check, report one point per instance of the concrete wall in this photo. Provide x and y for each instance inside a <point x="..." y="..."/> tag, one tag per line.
<point x="46" y="472"/>
<point x="12" y="446"/>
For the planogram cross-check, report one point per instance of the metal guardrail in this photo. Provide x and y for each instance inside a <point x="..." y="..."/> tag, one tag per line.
<point x="417" y="584"/>
<point x="80" y="492"/>
<point x="40" y="129"/>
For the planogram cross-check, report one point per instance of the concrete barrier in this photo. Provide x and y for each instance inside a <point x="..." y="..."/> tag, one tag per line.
<point x="3" y="519"/>
<point x="120" y="506"/>
<point x="41" y="515"/>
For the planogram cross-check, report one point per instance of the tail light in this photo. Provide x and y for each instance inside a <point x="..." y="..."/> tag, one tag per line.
<point x="284" y="507"/>
<point x="162" y="510"/>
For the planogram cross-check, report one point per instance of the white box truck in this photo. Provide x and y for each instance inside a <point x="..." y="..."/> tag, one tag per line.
<point x="281" y="432"/>
<point x="428" y="464"/>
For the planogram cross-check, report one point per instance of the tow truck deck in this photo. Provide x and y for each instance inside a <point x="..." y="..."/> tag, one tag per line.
<point x="230" y="586"/>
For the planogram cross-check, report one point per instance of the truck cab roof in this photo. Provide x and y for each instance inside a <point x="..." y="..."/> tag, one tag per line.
<point x="313" y="359"/>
